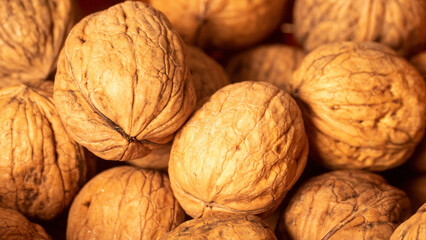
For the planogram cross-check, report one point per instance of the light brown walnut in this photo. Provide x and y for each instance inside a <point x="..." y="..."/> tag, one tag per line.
<point x="122" y="86"/>
<point x="222" y="24"/>
<point x="364" y="106"/>
<point x="345" y="204"/>
<point x="32" y="33"/>
<point x="398" y="24"/>
<point x="42" y="168"/>
<point x="413" y="228"/>
<point x="124" y="203"/>
<point x="14" y="225"/>
<point x="240" y="152"/>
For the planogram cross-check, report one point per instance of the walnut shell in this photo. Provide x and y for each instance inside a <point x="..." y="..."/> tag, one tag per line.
<point x="227" y="226"/>
<point x="347" y="204"/>
<point x="364" y="106"/>
<point x="14" y="225"/>
<point x="42" y="168"/>
<point x="124" y="203"/>
<point x="398" y="24"/>
<point x="273" y="63"/>
<point x="240" y="152"/>
<point x="122" y="86"/>
<point x="222" y="24"/>
<point x="413" y="228"/>
<point x="157" y="159"/>
<point x="31" y="35"/>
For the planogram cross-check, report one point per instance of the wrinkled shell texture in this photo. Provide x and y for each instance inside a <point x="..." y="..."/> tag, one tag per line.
<point x="157" y="159"/>
<point x="221" y="23"/>
<point x="222" y="227"/>
<point x="270" y="63"/>
<point x="42" y="168"/>
<point x="14" y="225"/>
<point x="122" y="86"/>
<point x="124" y="203"/>
<point x="31" y="35"/>
<point x="345" y="205"/>
<point x="398" y="24"/>
<point x="414" y="228"/>
<point x="240" y="152"/>
<point x="208" y="76"/>
<point x="364" y="106"/>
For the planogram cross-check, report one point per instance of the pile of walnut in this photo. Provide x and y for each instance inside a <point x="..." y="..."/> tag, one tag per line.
<point x="195" y="119"/>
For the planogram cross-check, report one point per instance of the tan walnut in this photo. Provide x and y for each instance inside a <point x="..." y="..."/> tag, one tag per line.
<point x="124" y="203"/>
<point x="122" y="86"/>
<point x="226" y="226"/>
<point x="14" y="225"/>
<point x="345" y="204"/>
<point x="32" y="33"/>
<point x="364" y="106"/>
<point x="413" y="228"/>
<point x="399" y="24"/>
<point x="240" y="152"/>
<point x="42" y="168"/>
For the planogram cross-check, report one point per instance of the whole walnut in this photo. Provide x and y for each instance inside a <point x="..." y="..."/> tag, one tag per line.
<point x="222" y="226"/>
<point x="346" y="204"/>
<point x="14" y="225"/>
<point x="398" y="24"/>
<point x="42" y="168"/>
<point x="274" y="63"/>
<point x="364" y="106"/>
<point x="124" y="203"/>
<point x="240" y="152"/>
<point x="31" y="35"/>
<point x="122" y="86"/>
<point x="223" y="24"/>
<point x="413" y="228"/>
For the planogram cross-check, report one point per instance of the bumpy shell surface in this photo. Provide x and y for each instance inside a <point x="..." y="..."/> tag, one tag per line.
<point x="240" y="152"/>
<point x="364" y="106"/>
<point x="124" y="203"/>
<point x="222" y="227"/>
<point x="270" y="63"/>
<point x="345" y="204"/>
<point x="398" y="24"/>
<point x="122" y="86"/>
<point x="221" y="23"/>
<point x="42" y="168"/>
<point x="157" y="159"/>
<point x="414" y="228"/>
<point x="14" y="225"/>
<point x="31" y="35"/>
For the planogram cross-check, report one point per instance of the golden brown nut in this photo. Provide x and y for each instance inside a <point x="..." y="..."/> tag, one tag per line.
<point x="364" y="106"/>
<point x="124" y="203"/>
<point x="122" y="86"/>
<point x="270" y="63"/>
<point x="14" y="225"/>
<point x="419" y="61"/>
<point x="415" y="188"/>
<point x="42" y="168"/>
<point x="31" y="35"/>
<point x="222" y="24"/>
<point x="347" y="204"/>
<point x="413" y="228"/>
<point x="226" y="226"/>
<point x="240" y="152"/>
<point x="398" y="24"/>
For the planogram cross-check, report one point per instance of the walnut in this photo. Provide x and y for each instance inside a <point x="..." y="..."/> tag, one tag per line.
<point x="157" y="159"/>
<point x="222" y="24"/>
<point x="398" y="24"/>
<point x="414" y="228"/>
<point x="42" y="168"/>
<point x="31" y="35"/>
<point x="14" y="225"/>
<point x="122" y="86"/>
<point x="223" y="226"/>
<point x="124" y="202"/>
<point x="273" y="63"/>
<point x="346" y="204"/>
<point x="240" y="152"/>
<point x="364" y="106"/>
